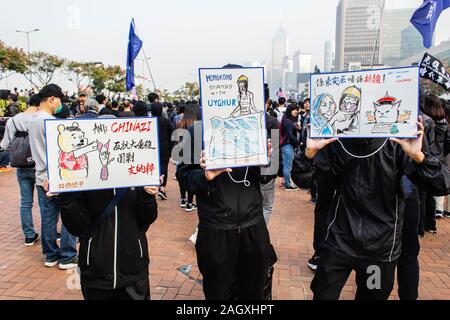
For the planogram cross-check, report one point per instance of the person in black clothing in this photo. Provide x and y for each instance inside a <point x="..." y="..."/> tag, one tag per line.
<point x="233" y="244"/>
<point x="113" y="258"/>
<point x="165" y="145"/>
<point x="433" y="109"/>
<point x="288" y="143"/>
<point x="408" y="270"/>
<point x="364" y="178"/>
<point x="140" y="109"/>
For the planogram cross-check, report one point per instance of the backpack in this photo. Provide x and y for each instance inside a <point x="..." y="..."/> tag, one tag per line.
<point x="20" y="151"/>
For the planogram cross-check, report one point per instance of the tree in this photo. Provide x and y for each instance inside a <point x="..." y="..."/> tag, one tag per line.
<point x="116" y="79"/>
<point x="42" y="67"/>
<point x="12" y="61"/>
<point x="110" y="78"/>
<point x="78" y="74"/>
<point x="164" y="94"/>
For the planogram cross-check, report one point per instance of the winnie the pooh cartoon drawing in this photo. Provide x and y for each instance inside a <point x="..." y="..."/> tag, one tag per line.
<point x="73" y="150"/>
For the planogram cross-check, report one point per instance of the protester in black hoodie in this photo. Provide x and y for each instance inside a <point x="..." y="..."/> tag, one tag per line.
<point x="434" y="109"/>
<point x="233" y="245"/>
<point x="165" y="145"/>
<point x="364" y="179"/>
<point x="113" y="258"/>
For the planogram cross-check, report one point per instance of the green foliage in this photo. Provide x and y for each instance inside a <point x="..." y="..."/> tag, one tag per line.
<point x="12" y="60"/>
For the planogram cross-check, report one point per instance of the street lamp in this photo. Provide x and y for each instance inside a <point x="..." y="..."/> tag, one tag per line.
<point x="28" y="46"/>
<point x="28" y="36"/>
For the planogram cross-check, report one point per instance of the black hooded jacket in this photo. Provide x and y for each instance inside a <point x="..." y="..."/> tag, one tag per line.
<point x="437" y="149"/>
<point x="116" y="254"/>
<point x="363" y="196"/>
<point x="165" y="131"/>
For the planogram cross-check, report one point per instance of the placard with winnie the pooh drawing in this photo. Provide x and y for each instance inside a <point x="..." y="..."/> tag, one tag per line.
<point x="96" y="154"/>
<point x="365" y="104"/>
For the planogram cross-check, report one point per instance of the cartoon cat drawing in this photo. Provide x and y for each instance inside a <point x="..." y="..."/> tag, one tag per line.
<point x="387" y="111"/>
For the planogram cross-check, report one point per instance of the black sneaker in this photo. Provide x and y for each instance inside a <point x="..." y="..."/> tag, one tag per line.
<point x="190" y="207"/>
<point x="446" y="214"/>
<point x="291" y="188"/>
<point x="183" y="203"/>
<point x="72" y="264"/>
<point x="162" y="195"/>
<point x="29" y="242"/>
<point x="439" y="214"/>
<point x="313" y="262"/>
<point x="58" y="237"/>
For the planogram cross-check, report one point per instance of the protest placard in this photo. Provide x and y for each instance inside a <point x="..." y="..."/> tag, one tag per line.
<point x="433" y="69"/>
<point x="100" y="154"/>
<point x="365" y="104"/>
<point x="234" y="125"/>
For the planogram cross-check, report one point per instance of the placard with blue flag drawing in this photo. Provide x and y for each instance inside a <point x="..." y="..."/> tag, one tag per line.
<point x="234" y="117"/>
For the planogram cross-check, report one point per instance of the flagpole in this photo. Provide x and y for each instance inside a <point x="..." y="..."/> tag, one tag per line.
<point x="378" y="35"/>
<point x="146" y="60"/>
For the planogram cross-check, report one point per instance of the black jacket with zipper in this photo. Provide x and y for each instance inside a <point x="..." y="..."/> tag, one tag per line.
<point x="363" y="196"/>
<point x="224" y="204"/>
<point x="115" y="255"/>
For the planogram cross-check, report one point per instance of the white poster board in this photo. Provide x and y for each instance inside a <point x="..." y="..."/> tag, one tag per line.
<point x="234" y="117"/>
<point x="365" y="104"/>
<point x="96" y="154"/>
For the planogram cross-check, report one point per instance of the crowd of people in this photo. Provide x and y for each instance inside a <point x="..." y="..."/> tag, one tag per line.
<point x="373" y="199"/>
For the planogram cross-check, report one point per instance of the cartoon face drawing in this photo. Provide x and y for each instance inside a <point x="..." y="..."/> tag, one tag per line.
<point x="104" y="152"/>
<point x="246" y="100"/>
<point x="105" y="160"/>
<point x="387" y="110"/>
<point x="327" y="107"/>
<point x="350" y="100"/>
<point x="71" y="138"/>
<point x="73" y="150"/>
<point x="347" y="118"/>
<point x="324" y="109"/>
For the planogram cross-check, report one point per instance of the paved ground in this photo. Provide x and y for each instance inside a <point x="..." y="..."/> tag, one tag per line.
<point x="22" y="275"/>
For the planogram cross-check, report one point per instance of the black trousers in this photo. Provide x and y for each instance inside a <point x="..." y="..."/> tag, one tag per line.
<point x="335" y="268"/>
<point x="230" y="261"/>
<point x="408" y="265"/>
<point x="427" y="211"/>
<point x="137" y="291"/>
<point x="184" y="189"/>
<point x="165" y="171"/>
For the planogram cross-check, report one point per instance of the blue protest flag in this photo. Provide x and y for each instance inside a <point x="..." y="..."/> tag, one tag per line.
<point x="426" y="17"/>
<point x="134" y="47"/>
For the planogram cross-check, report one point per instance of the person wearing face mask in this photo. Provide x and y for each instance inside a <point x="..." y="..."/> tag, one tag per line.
<point x="360" y="186"/>
<point x="51" y="99"/>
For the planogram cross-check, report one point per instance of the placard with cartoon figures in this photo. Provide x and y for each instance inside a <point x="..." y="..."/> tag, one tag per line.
<point x="234" y="119"/>
<point x="100" y="154"/>
<point x="365" y="104"/>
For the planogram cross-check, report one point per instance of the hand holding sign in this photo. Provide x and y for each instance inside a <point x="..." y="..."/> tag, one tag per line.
<point x="313" y="146"/>
<point x="211" y="174"/>
<point x="413" y="147"/>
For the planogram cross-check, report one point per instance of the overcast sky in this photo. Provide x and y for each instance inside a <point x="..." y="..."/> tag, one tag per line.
<point x="179" y="35"/>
